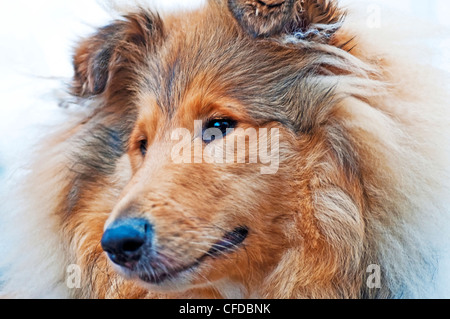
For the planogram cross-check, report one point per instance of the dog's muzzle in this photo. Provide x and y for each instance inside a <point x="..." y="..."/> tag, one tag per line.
<point x="129" y="244"/>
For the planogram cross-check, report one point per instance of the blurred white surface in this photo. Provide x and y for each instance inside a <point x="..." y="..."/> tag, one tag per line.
<point x="36" y="41"/>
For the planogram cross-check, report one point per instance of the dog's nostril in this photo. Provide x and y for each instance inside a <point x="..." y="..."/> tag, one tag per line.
<point x="132" y="245"/>
<point x="124" y="240"/>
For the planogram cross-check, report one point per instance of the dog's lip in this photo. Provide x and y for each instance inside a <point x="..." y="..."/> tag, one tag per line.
<point x="231" y="241"/>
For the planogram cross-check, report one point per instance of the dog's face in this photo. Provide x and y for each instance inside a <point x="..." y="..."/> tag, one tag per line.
<point x="200" y="207"/>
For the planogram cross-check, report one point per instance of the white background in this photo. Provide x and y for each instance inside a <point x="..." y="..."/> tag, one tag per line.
<point x="36" y="43"/>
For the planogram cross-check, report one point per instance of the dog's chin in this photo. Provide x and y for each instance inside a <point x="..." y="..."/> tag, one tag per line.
<point x="176" y="281"/>
<point x="163" y="282"/>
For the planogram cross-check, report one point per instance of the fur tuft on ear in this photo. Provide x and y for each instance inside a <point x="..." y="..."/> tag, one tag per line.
<point x="262" y="18"/>
<point x="316" y="19"/>
<point x="112" y="47"/>
<point x="307" y="19"/>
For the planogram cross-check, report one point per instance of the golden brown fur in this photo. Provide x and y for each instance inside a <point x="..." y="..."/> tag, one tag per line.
<point x="362" y="163"/>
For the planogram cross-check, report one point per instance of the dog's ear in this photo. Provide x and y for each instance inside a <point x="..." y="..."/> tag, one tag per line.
<point x="305" y="18"/>
<point x="114" y="47"/>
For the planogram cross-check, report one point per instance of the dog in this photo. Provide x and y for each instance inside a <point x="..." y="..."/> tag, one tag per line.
<point x="347" y="203"/>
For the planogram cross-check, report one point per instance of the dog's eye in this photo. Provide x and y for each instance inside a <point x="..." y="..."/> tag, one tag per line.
<point x="143" y="147"/>
<point x="213" y="126"/>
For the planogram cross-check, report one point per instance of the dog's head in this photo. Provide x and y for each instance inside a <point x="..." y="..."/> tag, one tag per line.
<point x="235" y="134"/>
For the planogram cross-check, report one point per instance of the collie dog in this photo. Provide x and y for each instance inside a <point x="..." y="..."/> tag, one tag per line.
<point x="337" y="188"/>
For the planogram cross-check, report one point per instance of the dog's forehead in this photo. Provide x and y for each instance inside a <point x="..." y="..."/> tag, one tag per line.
<point x="208" y="58"/>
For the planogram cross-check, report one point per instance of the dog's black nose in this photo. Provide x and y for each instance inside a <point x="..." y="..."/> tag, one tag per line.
<point x="125" y="239"/>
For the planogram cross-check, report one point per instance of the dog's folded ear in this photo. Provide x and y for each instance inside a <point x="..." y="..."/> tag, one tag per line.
<point x="114" y="48"/>
<point x="305" y="18"/>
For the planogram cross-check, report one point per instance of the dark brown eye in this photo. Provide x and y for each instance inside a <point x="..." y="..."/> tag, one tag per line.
<point x="143" y="147"/>
<point x="224" y="126"/>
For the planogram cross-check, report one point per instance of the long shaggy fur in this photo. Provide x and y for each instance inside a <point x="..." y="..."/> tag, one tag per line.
<point x="363" y="176"/>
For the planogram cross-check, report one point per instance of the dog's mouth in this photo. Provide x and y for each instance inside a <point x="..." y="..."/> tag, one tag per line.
<point x="230" y="242"/>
